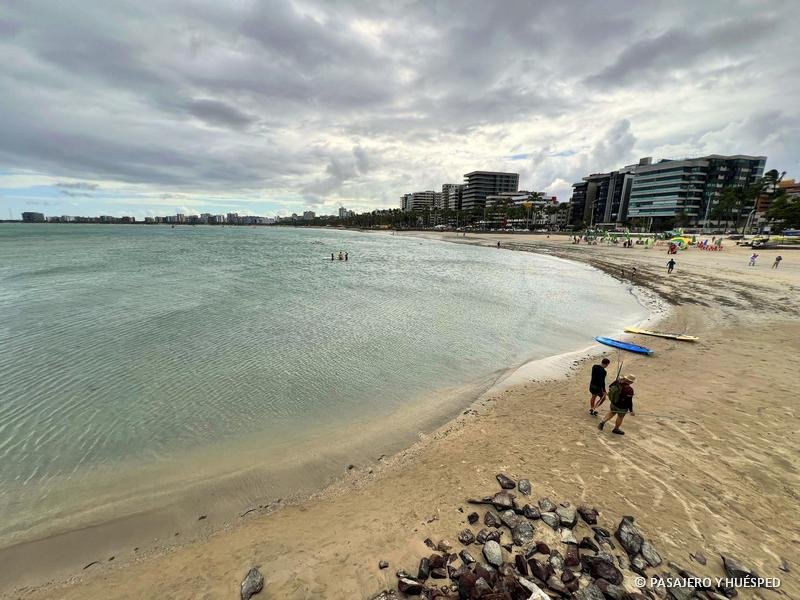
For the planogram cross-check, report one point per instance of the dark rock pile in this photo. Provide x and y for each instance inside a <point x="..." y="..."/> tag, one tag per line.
<point x="527" y="551"/>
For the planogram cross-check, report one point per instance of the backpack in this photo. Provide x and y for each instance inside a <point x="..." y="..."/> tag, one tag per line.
<point x="614" y="392"/>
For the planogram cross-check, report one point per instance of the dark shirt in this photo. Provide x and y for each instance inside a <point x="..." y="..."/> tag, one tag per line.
<point x="598" y="378"/>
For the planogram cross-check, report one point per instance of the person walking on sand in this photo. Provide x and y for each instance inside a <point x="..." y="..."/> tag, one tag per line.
<point x="752" y="262"/>
<point x="620" y="395"/>
<point x="597" y="386"/>
<point x="777" y="262"/>
<point x="671" y="265"/>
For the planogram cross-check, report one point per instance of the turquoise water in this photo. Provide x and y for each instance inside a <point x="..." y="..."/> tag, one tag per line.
<point x="127" y="345"/>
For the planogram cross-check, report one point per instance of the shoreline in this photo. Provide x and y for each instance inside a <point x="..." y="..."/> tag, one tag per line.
<point x="405" y="470"/>
<point x="182" y="512"/>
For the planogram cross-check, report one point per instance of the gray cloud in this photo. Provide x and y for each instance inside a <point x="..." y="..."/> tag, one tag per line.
<point x="321" y="103"/>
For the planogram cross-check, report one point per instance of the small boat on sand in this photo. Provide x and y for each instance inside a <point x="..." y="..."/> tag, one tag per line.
<point x="673" y="336"/>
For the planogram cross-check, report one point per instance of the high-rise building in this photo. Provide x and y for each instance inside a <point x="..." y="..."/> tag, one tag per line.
<point x="309" y="215"/>
<point x="33" y="217"/>
<point x="451" y="196"/>
<point x="480" y="184"/>
<point x="602" y="198"/>
<point x="419" y="200"/>
<point x="689" y="189"/>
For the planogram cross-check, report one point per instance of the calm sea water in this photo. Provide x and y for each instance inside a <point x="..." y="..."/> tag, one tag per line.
<point x="123" y="346"/>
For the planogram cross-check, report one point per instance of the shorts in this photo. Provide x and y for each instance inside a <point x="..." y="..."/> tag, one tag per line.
<point x="596" y="390"/>
<point x="621" y="408"/>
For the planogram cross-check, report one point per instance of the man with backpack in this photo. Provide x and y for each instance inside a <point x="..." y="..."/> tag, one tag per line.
<point x="620" y="395"/>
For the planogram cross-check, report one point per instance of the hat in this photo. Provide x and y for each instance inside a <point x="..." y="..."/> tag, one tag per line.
<point x="629" y="378"/>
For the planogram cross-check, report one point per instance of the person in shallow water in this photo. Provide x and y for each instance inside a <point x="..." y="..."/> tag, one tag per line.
<point x="331" y="256"/>
<point x="345" y="255"/>
<point x="341" y="256"/>
<point x="620" y="395"/>
<point x="597" y="386"/>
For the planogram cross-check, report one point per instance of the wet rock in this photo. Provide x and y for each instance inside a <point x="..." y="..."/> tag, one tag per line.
<point x="567" y="516"/>
<point x="521" y="564"/>
<point x="490" y="519"/>
<point x="556" y="560"/>
<point x="735" y="570"/>
<point x="649" y="553"/>
<point x="424" y="569"/>
<point x="511" y="519"/>
<point x="522" y="534"/>
<point x="551" y="519"/>
<point x="539" y="569"/>
<point x="572" y="557"/>
<point x="531" y="512"/>
<point x="444" y="546"/>
<point x="506" y="482"/>
<point x="589" y="515"/>
<point x="588" y="544"/>
<point x="524" y="487"/>
<point x="605" y="569"/>
<point x="590" y="592"/>
<point x="536" y="592"/>
<point x="252" y="584"/>
<point x="484" y="535"/>
<point x="629" y="536"/>
<point x="699" y="557"/>
<point x="546" y="505"/>
<point x="436" y="561"/>
<point x="473" y="518"/>
<point x="567" y="537"/>
<point x="466" y="537"/>
<point x="383" y="564"/>
<point x="466" y="557"/>
<point x="638" y="564"/>
<point x="409" y="586"/>
<point x="493" y="553"/>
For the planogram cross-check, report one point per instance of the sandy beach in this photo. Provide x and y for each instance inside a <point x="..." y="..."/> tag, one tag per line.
<point x="709" y="463"/>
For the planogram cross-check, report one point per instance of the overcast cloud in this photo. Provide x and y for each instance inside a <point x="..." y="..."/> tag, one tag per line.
<point x="263" y="107"/>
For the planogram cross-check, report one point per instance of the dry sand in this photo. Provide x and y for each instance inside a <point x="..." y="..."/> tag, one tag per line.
<point x="710" y="462"/>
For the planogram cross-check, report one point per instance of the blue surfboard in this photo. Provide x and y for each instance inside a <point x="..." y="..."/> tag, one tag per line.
<point x="624" y="345"/>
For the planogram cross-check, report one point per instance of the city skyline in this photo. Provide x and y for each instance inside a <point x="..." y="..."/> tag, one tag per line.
<point x="146" y="110"/>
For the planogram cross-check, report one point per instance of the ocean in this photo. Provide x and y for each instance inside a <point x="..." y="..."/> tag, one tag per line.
<point x="140" y="364"/>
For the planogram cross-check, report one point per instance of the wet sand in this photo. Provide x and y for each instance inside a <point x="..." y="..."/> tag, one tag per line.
<point x="710" y="462"/>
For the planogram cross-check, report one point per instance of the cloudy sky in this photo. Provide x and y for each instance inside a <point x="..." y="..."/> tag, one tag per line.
<point x="156" y="107"/>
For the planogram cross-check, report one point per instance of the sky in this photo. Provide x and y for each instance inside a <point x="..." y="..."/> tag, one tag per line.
<point x="156" y="107"/>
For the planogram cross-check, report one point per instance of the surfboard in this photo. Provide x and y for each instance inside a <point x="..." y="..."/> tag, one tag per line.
<point x="672" y="336"/>
<point x="624" y="345"/>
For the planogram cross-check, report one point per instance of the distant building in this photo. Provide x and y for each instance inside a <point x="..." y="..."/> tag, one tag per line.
<point x="309" y="215"/>
<point x="344" y="213"/>
<point x="602" y="198"/>
<point x="451" y="196"/>
<point x="33" y="217"/>
<point x="419" y="200"/>
<point x="233" y="218"/>
<point x="149" y="220"/>
<point x="180" y="218"/>
<point x="480" y="184"/>
<point x="217" y="219"/>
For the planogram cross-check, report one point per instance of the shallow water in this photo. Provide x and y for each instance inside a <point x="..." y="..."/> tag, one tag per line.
<point x="131" y="349"/>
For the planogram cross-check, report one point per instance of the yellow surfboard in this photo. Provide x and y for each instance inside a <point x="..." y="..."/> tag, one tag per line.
<point x="672" y="336"/>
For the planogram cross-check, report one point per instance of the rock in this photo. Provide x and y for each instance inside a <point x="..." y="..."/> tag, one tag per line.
<point x="484" y="535"/>
<point x="521" y="564"/>
<point x="424" y="570"/>
<point x="524" y="487"/>
<point x="699" y="557"/>
<point x="386" y="595"/>
<point x="439" y="573"/>
<point x="589" y="544"/>
<point x="649" y="553"/>
<point x="409" y="586"/>
<point x="568" y="575"/>
<point x="252" y="584"/>
<point x="466" y="537"/>
<point x="466" y="557"/>
<point x="490" y="519"/>
<point x="403" y="574"/>
<point x="555" y="584"/>
<point x="493" y="553"/>
<point x="728" y="592"/>
<point x="429" y="543"/>
<point x="536" y="592"/>
<point x="506" y="482"/>
<point x="510" y="519"/>
<point x="600" y="532"/>
<point x="531" y="512"/>
<point x="473" y="518"/>
<point x="503" y="500"/>
<point x="551" y="519"/>
<point x="542" y="548"/>
<point x="589" y="515"/>
<point x="681" y="593"/>
<point x="556" y="560"/>
<point x="567" y="516"/>
<point x="567" y="537"/>
<point x="507" y="547"/>
<point x="638" y="565"/>
<point x="436" y="561"/>
<point x="590" y="592"/>
<point x="444" y="546"/>
<point x="784" y="566"/>
<point x="383" y="564"/>
<point x="522" y="534"/>
<point x="609" y="589"/>
<point x="629" y="536"/>
<point x="466" y="583"/>
<point x="572" y="557"/>
<point x="546" y="505"/>
<point x="604" y="569"/>
<point x="735" y="570"/>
